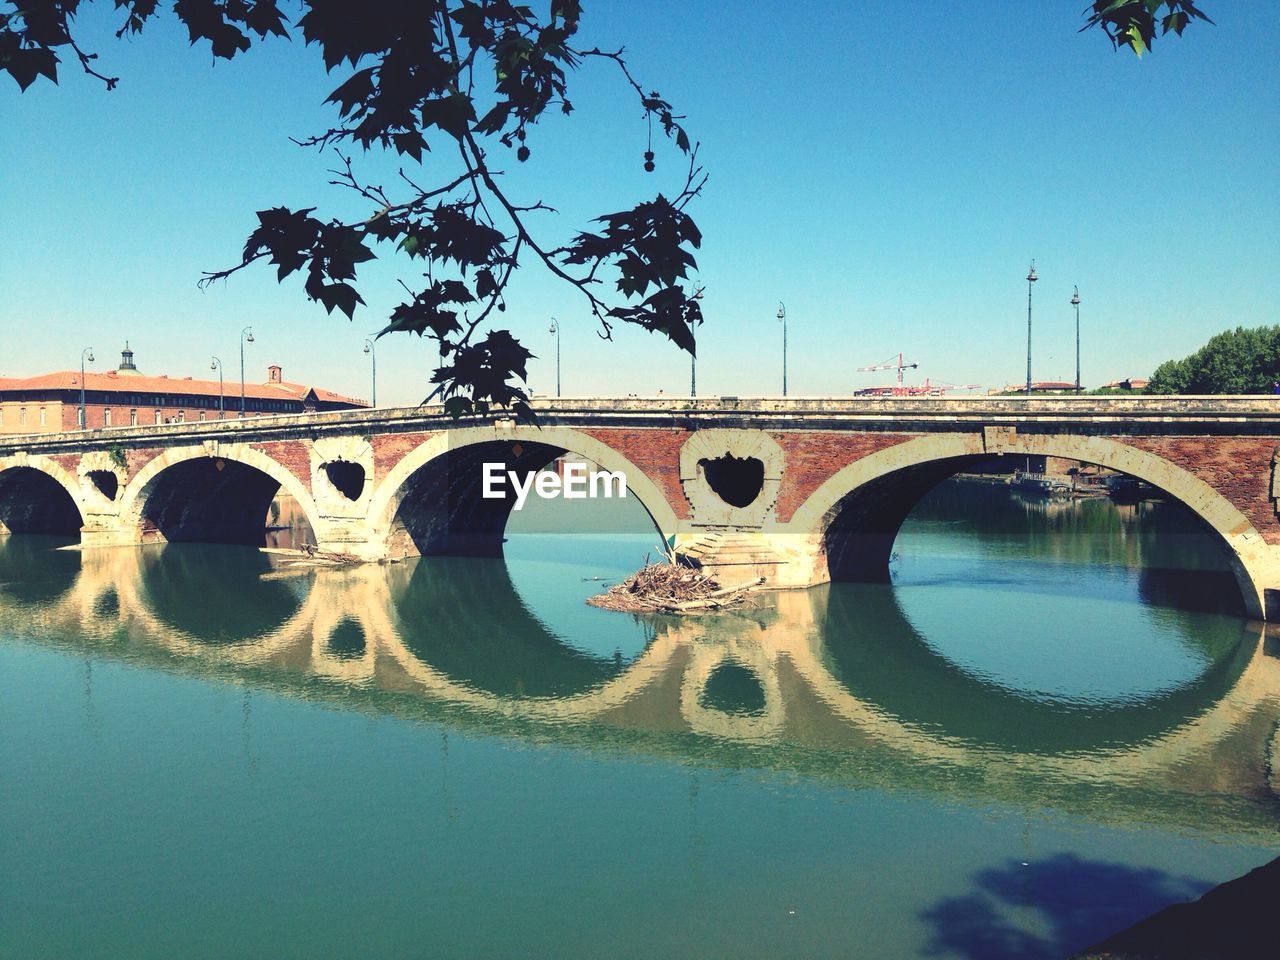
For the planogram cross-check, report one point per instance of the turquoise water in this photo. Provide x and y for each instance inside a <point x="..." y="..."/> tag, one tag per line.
<point x="1049" y="725"/>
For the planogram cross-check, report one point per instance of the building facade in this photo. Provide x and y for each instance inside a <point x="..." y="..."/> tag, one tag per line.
<point x="51" y="402"/>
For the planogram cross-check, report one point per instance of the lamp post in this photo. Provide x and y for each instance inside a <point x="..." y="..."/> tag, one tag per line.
<point x="782" y="315"/>
<point x="85" y="354"/>
<point x="555" y="330"/>
<point x="1075" y="302"/>
<point x="693" y="357"/>
<point x="373" y="357"/>
<point x="1031" y="278"/>
<point x="222" y="406"/>
<point x="246" y="336"/>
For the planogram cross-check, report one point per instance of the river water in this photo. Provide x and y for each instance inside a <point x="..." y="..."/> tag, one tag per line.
<point x="1051" y="723"/>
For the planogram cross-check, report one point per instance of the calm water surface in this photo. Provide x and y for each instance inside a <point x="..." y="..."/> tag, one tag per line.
<point x="1050" y="724"/>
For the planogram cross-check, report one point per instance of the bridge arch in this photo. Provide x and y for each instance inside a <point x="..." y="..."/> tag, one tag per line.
<point x="38" y="496"/>
<point x="211" y="493"/>
<point x="446" y="470"/>
<point x="855" y="514"/>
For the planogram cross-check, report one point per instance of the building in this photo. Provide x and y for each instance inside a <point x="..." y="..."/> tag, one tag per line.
<point x="1039" y="386"/>
<point x="50" y="403"/>
<point x="1132" y="383"/>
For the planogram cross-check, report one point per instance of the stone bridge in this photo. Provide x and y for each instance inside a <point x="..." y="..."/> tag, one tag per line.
<point x="798" y="491"/>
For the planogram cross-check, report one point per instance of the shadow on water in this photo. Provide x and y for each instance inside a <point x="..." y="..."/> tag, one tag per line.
<point x="464" y="617"/>
<point x="1049" y="909"/>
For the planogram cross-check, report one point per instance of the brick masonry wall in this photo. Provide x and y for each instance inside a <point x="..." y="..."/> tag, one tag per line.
<point x="293" y="455"/>
<point x="95" y="413"/>
<point x="139" y="458"/>
<point x="813" y="458"/>
<point x="69" y="462"/>
<point x="390" y="449"/>
<point x="1238" y="468"/>
<point x="657" y="453"/>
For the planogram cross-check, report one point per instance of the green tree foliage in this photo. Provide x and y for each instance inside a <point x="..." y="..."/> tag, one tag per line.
<point x="1243" y="360"/>
<point x="1132" y="23"/>
<point x="466" y="81"/>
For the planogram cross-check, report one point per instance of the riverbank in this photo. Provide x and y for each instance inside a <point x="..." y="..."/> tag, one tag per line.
<point x="1233" y="921"/>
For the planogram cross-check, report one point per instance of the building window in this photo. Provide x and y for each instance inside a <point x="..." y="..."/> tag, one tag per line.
<point x="42" y="418"/>
<point x="106" y="416"/>
<point x="202" y="415"/>
<point x="133" y="418"/>
<point x="22" y="416"/>
<point x="159" y="418"/>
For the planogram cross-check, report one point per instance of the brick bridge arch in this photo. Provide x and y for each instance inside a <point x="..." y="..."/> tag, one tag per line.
<point x="856" y="513"/>
<point x="212" y="492"/>
<point x="30" y="500"/>
<point x="461" y="451"/>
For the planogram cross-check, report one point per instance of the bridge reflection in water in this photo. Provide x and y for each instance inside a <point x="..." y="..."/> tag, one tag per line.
<point x="843" y="682"/>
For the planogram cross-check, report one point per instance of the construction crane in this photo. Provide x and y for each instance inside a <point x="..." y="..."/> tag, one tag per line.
<point x="890" y="365"/>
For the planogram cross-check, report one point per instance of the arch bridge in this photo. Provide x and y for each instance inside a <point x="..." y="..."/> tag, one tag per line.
<point x="797" y="491"/>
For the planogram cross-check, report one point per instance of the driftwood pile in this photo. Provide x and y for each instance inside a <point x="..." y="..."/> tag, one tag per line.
<point x="308" y="555"/>
<point x="669" y="588"/>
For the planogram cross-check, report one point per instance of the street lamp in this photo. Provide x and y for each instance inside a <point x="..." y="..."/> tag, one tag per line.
<point x="782" y="315"/>
<point x="693" y="357"/>
<point x="1075" y="302"/>
<point x="217" y="365"/>
<point x="373" y="357"/>
<point x="246" y="336"/>
<point x="1031" y="278"/>
<point x="555" y="329"/>
<point x="85" y="354"/>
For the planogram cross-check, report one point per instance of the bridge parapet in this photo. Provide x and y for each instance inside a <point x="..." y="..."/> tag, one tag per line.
<point x="1229" y="414"/>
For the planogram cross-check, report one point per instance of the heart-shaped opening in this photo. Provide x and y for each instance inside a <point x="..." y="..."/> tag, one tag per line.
<point x="106" y="482"/>
<point x="736" y="480"/>
<point x="347" y="478"/>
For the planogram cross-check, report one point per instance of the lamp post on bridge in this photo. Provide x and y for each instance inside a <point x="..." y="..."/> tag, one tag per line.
<point x="373" y="357"/>
<point x="246" y="336"/>
<point x="1075" y="302"/>
<point x="85" y="354"/>
<point x="693" y="357"/>
<point x="782" y="315"/>
<point x="1031" y="278"/>
<point x="554" y="330"/>
<point x="222" y="406"/>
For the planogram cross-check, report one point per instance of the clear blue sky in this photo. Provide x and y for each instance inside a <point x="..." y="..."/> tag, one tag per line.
<point x="888" y="174"/>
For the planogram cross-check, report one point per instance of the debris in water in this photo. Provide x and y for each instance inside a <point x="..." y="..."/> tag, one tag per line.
<point x="670" y="588"/>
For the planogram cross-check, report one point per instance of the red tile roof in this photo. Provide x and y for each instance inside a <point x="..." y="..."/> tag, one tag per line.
<point x="300" y="390"/>
<point x="114" y="383"/>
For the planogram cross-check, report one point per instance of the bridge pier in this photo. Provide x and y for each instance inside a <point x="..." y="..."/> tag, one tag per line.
<point x="352" y="536"/>
<point x="735" y="557"/>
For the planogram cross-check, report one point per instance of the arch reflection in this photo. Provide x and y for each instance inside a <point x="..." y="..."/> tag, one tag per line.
<point x="872" y="649"/>
<point x="834" y="682"/>
<point x="463" y="617"/>
<point x="33" y="569"/>
<point x="215" y="595"/>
